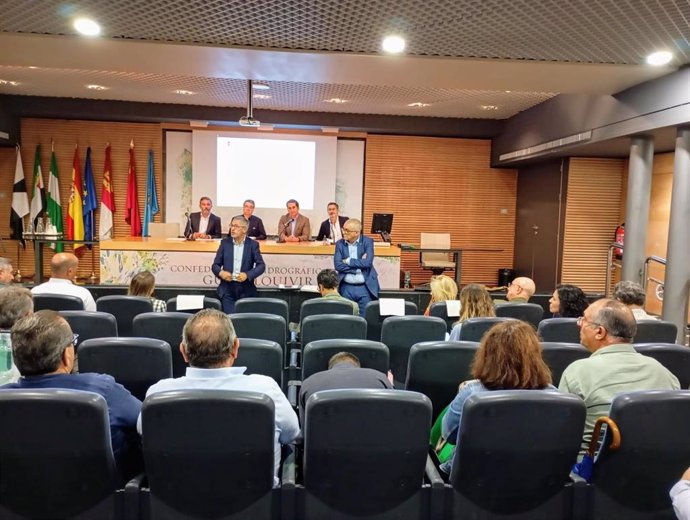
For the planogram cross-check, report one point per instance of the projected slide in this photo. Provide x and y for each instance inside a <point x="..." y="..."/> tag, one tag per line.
<point x="269" y="171"/>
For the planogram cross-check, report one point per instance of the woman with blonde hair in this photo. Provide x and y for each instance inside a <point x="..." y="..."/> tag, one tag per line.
<point x="509" y="358"/>
<point x="475" y="302"/>
<point x="443" y="288"/>
<point x="142" y="284"/>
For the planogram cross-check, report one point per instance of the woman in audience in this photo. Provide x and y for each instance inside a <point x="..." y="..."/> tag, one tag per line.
<point x="143" y="283"/>
<point x="475" y="302"/>
<point x="509" y="358"/>
<point x="443" y="288"/>
<point x="633" y="295"/>
<point x="568" y="301"/>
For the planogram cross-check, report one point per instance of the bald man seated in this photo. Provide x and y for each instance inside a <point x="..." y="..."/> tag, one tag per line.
<point x="63" y="271"/>
<point x="520" y="290"/>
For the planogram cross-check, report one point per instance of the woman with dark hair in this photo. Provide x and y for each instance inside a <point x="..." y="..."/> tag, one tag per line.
<point x="568" y="301"/>
<point x="509" y="358"/>
<point x="142" y="284"/>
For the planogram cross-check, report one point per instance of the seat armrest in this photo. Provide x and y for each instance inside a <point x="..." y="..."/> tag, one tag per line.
<point x="132" y="497"/>
<point x="293" y="392"/>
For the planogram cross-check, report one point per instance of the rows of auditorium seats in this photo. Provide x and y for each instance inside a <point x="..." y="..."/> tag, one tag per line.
<point x="361" y="457"/>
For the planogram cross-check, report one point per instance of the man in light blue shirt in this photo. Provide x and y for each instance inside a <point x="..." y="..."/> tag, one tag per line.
<point x="210" y="346"/>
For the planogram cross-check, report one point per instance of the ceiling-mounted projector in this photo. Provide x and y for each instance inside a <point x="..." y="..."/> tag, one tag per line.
<point x="249" y="121"/>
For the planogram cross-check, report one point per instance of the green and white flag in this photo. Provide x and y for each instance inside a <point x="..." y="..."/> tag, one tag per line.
<point x="38" y="193"/>
<point x="54" y="225"/>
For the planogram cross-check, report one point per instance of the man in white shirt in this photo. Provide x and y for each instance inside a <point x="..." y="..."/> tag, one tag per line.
<point x="203" y="224"/>
<point x="63" y="271"/>
<point x="210" y="345"/>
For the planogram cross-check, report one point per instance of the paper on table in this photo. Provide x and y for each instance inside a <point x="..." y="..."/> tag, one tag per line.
<point x="190" y="301"/>
<point x="392" y="307"/>
<point x="310" y="288"/>
<point x="453" y="308"/>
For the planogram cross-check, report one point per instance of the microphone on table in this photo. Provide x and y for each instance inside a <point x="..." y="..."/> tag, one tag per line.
<point x="288" y="223"/>
<point x="188" y="223"/>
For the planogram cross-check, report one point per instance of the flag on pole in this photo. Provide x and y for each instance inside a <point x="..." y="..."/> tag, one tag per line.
<point x="107" y="200"/>
<point x="132" y="208"/>
<point x="20" y="201"/>
<point x="90" y="202"/>
<point x="75" y="213"/>
<point x="151" y="199"/>
<point x="38" y="192"/>
<point x="54" y="226"/>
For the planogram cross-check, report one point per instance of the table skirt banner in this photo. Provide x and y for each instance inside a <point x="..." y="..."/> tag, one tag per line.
<point x="179" y="268"/>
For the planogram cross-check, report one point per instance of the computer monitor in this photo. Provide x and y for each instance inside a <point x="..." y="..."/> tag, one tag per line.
<point x="382" y="223"/>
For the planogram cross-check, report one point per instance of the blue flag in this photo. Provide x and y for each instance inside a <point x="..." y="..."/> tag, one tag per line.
<point x="151" y="199"/>
<point x="89" y="199"/>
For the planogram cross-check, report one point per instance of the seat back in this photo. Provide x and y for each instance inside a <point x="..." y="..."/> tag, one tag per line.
<point x="656" y="331"/>
<point x="430" y="259"/>
<point x="559" y="355"/>
<point x="473" y="329"/>
<point x="514" y="452"/>
<point x="440" y="310"/>
<point x="331" y="326"/>
<point x="57" y="302"/>
<point x="166" y="326"/>
<point x="91" y="325"/>
<point x="357" y="471"/>
<point x="324" y="306"/>
<point x="372" y="313"/>
<point x="676" y="358"/>
<point x="563" y="330"/>
<point x="55" y="455"/>
<point x="261" y="357"/>
<point x="261" y="325"/>
<point x="209" y="453"/>
<point x="436" y="368"/>
<point x="633" y="481"/>
<point x="124" y="308"/>
<point x="266" y="305"/>
<point x="135" y="363"/>
<point x="529" y="312"/>
<point x="371" y="354"/>
<point x="209" y="303"/>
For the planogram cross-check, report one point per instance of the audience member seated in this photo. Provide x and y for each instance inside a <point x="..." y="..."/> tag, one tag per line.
<point x="520" y="290"/>
<point x="568" y="301"/>
<point x="15" y="303"/>
<point x="209" y="345"/>
<point x="63" y="271"/>
<point x="6" y="276"/>
<point x="344" y="371"/>
<point x="680" y="495"/>
<point x="142" y="284"/>
<point x="509" y="358"/>
<point x="327" y="281"/>
<point x="475" y="302"/>
<point x="443" y="288"/>
<point x="607" y="329"/>
<point x="632" y="294"/>
<point x="43" y="349"/>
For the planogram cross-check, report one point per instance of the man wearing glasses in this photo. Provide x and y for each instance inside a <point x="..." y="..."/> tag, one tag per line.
<point x="354" y="262"/>
<point x="607" y="329"/>
<point x="519" y="290"/>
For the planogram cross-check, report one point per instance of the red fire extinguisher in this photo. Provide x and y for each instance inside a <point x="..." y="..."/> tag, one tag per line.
<point x="619" y="237"/>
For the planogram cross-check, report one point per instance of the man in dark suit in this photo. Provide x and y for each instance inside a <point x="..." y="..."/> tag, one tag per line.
<point x="354" y="262"/>
<point x="293" y="226"/>
<point x="238" y="262"/>
<point x="332" y="227"/>
<point x="255" y="227"/>
<point x="203" y="224"/>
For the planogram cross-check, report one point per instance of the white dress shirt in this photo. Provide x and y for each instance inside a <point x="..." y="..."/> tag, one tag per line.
<point x="62" y="286"/>
<point x="203" y="224"/>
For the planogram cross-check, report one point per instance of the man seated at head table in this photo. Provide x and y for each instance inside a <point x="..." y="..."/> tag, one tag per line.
<point x="203" y="224"/>
<point x="63" y="272"/>
<point x="210" y="346"/>
<point x="332" y="227"/>
<point x="293" y="226"/>
<point x="255" y="226"/>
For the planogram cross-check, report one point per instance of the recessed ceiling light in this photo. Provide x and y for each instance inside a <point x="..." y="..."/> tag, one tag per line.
<point x="9" y="82"/>
<point x="33" y="67"/>
<point x="488" y="107"/>
<point x="508" y="91"/>
<point x="336" y="100"/>
<point x="260" y="86"/>
<point x="393" y="44"/>
<point x="419" y="104"/>
<point x="184" y="92"/>
<point x="659" y="58"/>
<point x="96" y="87"/>
<point x="261" y="96"/>
<point x="87" y="27"/>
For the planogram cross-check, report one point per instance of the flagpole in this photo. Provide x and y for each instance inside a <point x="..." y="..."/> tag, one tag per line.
<point x="18" y="276"/>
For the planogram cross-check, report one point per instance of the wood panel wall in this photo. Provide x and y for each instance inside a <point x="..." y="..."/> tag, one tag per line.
<point x="592" y="214"/>
<point x="442" y="185"/>
<point x="66" y="134"/>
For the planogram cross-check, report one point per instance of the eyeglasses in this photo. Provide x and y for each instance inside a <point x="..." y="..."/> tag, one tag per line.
<point x="581" y="321"/>
<point x="350" y="230"/>
<point x="75" y="340"/>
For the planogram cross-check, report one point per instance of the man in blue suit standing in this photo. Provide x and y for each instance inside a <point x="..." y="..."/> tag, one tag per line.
<point x="238" y="262"/>
<point x="354" y="262"/>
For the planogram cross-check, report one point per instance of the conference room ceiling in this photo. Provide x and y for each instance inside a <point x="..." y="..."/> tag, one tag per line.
<point x="487" y="59"/>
